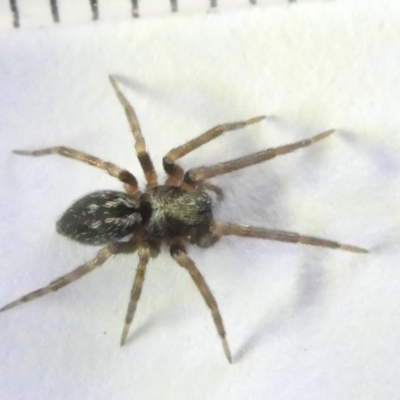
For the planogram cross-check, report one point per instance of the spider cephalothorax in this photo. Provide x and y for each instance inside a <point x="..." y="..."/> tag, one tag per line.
<point x="176" y="213"/>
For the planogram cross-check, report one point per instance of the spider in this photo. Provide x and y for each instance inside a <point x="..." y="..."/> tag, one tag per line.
<point x="176" y="213"/>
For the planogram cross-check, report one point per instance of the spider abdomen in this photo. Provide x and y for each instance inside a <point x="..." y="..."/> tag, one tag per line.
<point x="171" y="211"/>
<point x="100" y="217"/>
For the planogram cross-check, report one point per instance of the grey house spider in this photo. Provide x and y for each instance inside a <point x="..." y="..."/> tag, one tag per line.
<point x="176" y="213"/>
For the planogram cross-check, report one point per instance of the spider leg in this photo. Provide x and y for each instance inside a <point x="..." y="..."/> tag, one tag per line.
<point x="224" y="229"/>
<point x="199" y="174"/>
<point x="178" y="253"/>
<point x="174" y="171"/>
<point x="140" y="145"/>
<point x="121" y="174"/>
<point x="213" y="188"/>
<point x="144" y="255"/>
<point x="102" y="256"/>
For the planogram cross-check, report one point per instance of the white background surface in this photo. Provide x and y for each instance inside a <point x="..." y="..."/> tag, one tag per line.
<point x="302" y="322"/>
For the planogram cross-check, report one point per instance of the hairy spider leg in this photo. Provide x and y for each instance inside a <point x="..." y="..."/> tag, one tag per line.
<point x="102" y="256"/>
<point x="178" y="253"/>
<point x="144" y="255"/>
<point x="140" y="145"/>
<point x="199" y="174"/>
<point x="174" y="171"/>
<point x="123" y="175"/>
<point x="225" y="229"/>
<point x="210" y="187"/>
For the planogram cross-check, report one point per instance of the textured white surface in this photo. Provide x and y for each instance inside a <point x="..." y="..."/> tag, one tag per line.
<point x="302" y="322"/>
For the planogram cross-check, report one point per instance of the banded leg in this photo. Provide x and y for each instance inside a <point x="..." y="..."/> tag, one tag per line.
<point x="225" y="229"/>
<point x="121" y="174"/>
<point x="144" y="255"/>
<point x="201" y="173"/>
<point x="178" y="253"/>
<point x="174" y="171"/>
<point x="102" y="256"/>
<point x="140" y="145"/>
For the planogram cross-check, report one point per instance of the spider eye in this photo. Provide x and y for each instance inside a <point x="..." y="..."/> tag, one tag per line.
<point x="100" y="217"/>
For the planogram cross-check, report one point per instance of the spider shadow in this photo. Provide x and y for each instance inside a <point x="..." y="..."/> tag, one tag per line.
<point x="310" y="291"/>
<point x="138" y="332"/>
<point x="170" y="314"/>
<point x="384" y="160"/>
<point x="254" y="193"/>
<point x="135" y="85"/>
<point x="177" y="103"/>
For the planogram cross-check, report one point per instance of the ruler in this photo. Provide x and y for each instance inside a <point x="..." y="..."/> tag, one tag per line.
<point x="28" y="13"/>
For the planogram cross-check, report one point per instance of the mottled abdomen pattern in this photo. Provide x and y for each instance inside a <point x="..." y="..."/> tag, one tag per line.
<point x="100" y="217"/>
